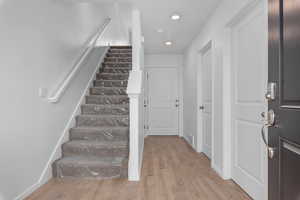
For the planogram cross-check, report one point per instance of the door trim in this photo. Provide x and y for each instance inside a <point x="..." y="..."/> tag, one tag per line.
<point x="199" y="147"/>
<point x="180" y="95"/>
<point x="228" y="93"/>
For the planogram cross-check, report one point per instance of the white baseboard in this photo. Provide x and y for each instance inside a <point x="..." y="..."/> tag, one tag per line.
<point x="56" y="153"/>
<point x="189" y="142"/>
<point x="217" y="169"/>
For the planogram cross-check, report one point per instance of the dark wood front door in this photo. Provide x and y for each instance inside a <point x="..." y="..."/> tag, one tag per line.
<point x="284" y="73"/>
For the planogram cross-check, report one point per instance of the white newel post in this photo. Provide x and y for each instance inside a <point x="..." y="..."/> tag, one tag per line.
<point x="133" y="165"/>
<point x="135" y="93"/>
<point x="136" y="135"/>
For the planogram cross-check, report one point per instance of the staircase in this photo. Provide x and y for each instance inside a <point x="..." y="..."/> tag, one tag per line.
<point x="98" y="146"/>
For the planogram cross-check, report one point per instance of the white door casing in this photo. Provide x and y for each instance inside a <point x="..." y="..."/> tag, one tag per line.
<point x="162" y="101"/>
<point x="206" y="99"/>
<point x="249" y="79"/>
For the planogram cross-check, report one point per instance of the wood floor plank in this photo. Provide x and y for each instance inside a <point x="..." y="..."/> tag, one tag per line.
<point x="171" y="170"/>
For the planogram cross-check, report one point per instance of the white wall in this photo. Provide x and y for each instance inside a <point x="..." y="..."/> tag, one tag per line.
<point x="40" y="41"/>
<point x="213" y="31"/>
<point x="169" y="60"/>
<point x="118" y="33"/>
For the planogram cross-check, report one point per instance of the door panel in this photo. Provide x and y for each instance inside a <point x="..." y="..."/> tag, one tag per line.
<point x="163" y="110"/>
<point x="249" y="82"/>
<point x="250" y="134"/>
<point x="207" y="100"/>
<point x="284" y="62"/>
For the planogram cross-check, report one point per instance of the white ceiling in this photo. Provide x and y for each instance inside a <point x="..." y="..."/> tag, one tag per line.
<point x="156" y="15"/>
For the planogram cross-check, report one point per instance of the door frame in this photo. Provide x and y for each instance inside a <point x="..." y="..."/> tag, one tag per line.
<point x="180" y="96"/>
<point x="199" y="144"/>
<point x="228" y="73"/>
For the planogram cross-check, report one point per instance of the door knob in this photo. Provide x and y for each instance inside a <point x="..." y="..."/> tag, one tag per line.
<point x="269" y="120"/>
<point x="271" y="150"/>
<point x="201" y="107"/>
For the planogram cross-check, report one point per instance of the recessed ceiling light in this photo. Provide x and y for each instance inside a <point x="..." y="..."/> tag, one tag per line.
<point x="160" y="30"/>
<point x="168" y="43"/>
<point x="175" y="17"/>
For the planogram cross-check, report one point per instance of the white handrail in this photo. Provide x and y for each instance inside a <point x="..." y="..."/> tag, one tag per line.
<point x="57" y="94"/>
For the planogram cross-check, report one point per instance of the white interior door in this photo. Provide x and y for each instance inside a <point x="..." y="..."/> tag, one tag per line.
<point x="163" y="104"/>
<point x="249" y="57"/>
<point x="206" y="77"/>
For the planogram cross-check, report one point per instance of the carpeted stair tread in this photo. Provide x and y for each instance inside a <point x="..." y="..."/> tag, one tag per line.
<point x="117" y="65"/>
<point x="120" y="64"/>
<point x="107" y="99"/>
<point x="95" y="144"/>
<point x="112" y="76"/>
<point x="109" y="109"/>
<point x="93" y="160"/>
<point x="119" y="55"/>
<point x="114" y="70"/>
<point x="102" y="120"/>
<point x="120" y="50"/>
<point x="118" y="59"/>
<point x="88" y="167"/>
<point x="100" y="133"/>
<point x="108" y="90"/>
<point x="95" y="148"/>
<point x="121" y="47"/>
<point x="110" y="83"/>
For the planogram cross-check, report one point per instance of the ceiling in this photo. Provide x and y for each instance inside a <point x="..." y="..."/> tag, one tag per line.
<point x="156" y="15"/>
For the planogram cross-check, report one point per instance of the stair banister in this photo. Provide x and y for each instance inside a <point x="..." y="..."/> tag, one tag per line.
<point x="135" y="91"/>
<point x="59" y="91"/>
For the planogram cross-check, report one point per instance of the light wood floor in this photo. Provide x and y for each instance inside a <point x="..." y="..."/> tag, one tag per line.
<point x="171" y="171"/>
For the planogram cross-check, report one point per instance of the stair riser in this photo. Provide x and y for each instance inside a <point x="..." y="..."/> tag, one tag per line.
<point x="112" y="76"/>
<point x="112" y="70"/>
<point x="119" y="55"/>
<point x="106" y="100"/>
<point x="120" y="51"/>
<point x="117" y="65"/>
<point x="93" y="151"/>
<point x="105" y="135"/>
<point x="93" y="172"/>
<point x="121" y="47"/>
<point x="108" y="91"/>
<point x="84" y="121"/>
<point x="110" y="83"/>
<point x="118" y="60"/>
<point x="100" y="110"/>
